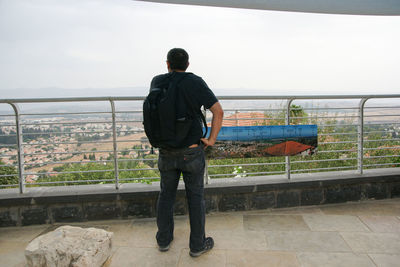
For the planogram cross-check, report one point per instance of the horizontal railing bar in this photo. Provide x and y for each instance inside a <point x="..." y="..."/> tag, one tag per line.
<point x="142" y="169"/>
<point x="250" y="173"/>
<point x="254" y="109"/>
<point x="336" y="125"/>
<point x="261" y="97"/>
<point x="382" y="164"/>
<point x="8" y="145"/>
<point x="81" y="142"/>
<point x="133" y="150"/>
<point x="76" y="181"/>
<point x="245" y="97"/>
<point x="337" y="151"/>
<point x="375" y="132"/>
<point x="329" y="134"/>
<point x="324" y="117"/>
<point x="323" y="109"/>
<point x="74" y="152"/>
<point x="78" y="132"/>
<point x="129" y="111"/>
<point x="9" y="175"/>
<point x="129" y="121"/>
<point x="134" y="131"/>
<point x="321" y="160"/>
<point x="59" y="123"/>
<point x="380" y="115"/>
<point x="379" y="140"/>
<point x="8" y="185"/>
<point x="65" y="143"/>
<point x="377" y="157"/>
<point x="67" y="113"/>
<point x="80" y="152"/>
<point x="8" y="165"/>
<point x="339" y="142"/>
<point x="46" y="173"/>
<point x="247" y="164"/>
<point x="67" y="162"/>
<point x="82" y="161"/>
<point x="142" y="178"/>
<point x="320" y="169"/>
<point x="138" y="159"/>
<point x="382" y="107"/>
<point x="381" y="123"/>
<point x="4" y="135"/>
<point x="249" y="119"/>
<point x="71" y="99"/>
<point x="7" y="115"/>
<point x="382" y="148"/>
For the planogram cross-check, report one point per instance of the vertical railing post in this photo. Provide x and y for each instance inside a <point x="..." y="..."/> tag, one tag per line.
<point x="114" y="130"/>
<point x="287" y="121"/>
<point x="21" y="168"/>
<point x="360" y="135"/>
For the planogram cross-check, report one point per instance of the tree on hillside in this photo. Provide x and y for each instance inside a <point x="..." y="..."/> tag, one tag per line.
<point x="278" y="118"/>
<point x="297" y="112"/>
<point x="8" y="170"/>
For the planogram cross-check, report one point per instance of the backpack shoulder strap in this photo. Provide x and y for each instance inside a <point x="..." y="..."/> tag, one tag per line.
<point x="195" y="111"/>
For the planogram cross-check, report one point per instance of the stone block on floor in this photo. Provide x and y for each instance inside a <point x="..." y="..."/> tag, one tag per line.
<point x="245" y="258"/>
<point x="342" y="259"/>
<point x="386" y="260"/>
<point x="306" y="241"/>
<point x="70" y="246"/>
<point x="344" y="223"/>
<point x="127" y="256"/>
<point x="274" y="223"/>
<point x="373" y="242"/>
<point x="382" y="224"/>
<point x="214" y="257"/>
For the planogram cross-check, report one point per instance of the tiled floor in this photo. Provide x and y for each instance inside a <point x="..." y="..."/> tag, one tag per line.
<point x="352" y="234"/>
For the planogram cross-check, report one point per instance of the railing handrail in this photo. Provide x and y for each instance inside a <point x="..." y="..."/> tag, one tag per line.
<point x="224" y="97"/>
<point x="286" y="107"/>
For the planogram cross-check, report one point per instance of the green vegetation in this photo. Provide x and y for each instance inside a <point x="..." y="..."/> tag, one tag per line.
<point x="8" y="170"/>
<point x="130" y="170"/>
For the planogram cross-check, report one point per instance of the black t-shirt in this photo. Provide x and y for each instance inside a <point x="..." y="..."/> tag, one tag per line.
<point x="199" y="94"/>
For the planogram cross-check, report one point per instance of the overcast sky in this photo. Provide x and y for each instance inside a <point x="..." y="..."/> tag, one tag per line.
<point x="122" y="43"/>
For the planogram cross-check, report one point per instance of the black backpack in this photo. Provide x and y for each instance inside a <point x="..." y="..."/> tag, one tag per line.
<point x="164" y="127"/>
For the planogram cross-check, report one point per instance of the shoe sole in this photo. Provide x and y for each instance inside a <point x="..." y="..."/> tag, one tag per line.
<point x="196" y="254"/>
<point x="163" y="249"/>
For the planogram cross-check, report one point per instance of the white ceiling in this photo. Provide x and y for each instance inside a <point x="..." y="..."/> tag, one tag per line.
<point x="353" y="7"/>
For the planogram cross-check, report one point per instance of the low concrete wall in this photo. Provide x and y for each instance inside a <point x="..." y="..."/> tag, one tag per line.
<point x="45" y="205"/>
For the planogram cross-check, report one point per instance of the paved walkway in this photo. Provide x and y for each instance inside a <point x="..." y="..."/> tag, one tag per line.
<point x="353" y="234"/>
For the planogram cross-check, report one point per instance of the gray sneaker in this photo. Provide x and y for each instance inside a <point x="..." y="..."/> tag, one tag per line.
<point x="165" y="248"/>
<point x="208" y="245"/>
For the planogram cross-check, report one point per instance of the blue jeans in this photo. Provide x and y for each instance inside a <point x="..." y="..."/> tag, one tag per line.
<point x="171" y="163"/>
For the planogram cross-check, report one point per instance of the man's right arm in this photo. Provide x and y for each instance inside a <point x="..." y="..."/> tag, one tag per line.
<point x="216" y="123"/>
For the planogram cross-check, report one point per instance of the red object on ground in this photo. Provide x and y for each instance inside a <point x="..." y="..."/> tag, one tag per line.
<point x="288" y="148"/>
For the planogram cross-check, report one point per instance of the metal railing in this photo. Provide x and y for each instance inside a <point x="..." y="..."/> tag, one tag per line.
<point x="64" y="145"/>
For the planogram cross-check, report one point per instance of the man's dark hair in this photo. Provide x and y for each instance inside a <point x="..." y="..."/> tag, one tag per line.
<point x="178" y="59"/>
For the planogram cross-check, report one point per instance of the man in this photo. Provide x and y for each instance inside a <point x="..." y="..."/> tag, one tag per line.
<point x="188" y="159"/>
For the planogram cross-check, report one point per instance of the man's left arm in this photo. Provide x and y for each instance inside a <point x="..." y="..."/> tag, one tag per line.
<point x="216" y="123"/>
